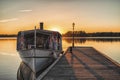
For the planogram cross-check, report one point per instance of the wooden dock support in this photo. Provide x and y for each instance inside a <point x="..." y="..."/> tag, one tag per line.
<point x="83" y="63"/>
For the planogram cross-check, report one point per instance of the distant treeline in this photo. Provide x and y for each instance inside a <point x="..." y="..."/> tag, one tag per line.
<point x="96" y="34"/>
<point x="8" y="35"/>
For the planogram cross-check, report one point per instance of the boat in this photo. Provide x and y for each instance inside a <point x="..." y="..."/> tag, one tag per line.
<point x="38" y="48"/>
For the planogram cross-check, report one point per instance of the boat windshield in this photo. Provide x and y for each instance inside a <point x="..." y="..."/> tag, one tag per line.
<point x="43" y="41"/>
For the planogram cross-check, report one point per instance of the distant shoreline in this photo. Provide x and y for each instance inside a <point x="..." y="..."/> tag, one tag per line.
<point x="5" y="35"/>
<point x="96" y="34"/>
<point x="69" y="37"/>
<point x="9" y="37"/>
<point x="81" y="34"/>
<point x="89" y="38"/>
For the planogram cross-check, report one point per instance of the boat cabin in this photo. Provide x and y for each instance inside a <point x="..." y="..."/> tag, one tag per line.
<point x="39" y="39"/>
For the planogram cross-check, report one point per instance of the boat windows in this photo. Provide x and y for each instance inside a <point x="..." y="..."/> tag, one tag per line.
<point x="25" y="41"/>
<point x="55" y="42"/>
<point x="43" y="41"/>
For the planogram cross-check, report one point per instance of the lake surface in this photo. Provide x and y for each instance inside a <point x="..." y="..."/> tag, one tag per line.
<point x="10" y="60"/>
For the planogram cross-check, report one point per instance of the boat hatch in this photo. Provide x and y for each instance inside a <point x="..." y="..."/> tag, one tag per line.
<point x="27" y="41"/>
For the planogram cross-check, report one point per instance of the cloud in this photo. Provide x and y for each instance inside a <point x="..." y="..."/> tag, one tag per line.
<point x="25" y="10"/>
<point x="8" y="20"/>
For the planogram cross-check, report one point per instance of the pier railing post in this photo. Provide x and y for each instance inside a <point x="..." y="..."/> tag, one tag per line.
<point x="73" y="34"/>
<point x="35" y="38"/>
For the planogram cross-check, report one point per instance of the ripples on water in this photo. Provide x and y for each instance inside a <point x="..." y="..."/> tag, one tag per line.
<point x="10" y="60"/>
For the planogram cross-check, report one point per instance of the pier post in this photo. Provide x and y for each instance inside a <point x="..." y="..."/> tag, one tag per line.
<point x="73" y="34"/>
<point x="35" y="38"/>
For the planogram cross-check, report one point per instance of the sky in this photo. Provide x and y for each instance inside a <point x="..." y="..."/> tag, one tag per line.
<point x="88" y="15"/>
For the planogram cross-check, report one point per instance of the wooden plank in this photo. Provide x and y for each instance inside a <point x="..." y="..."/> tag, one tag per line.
<point x="84" y="63"/>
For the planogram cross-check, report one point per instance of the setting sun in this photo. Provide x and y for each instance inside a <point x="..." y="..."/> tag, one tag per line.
<point x="55" y="28"/>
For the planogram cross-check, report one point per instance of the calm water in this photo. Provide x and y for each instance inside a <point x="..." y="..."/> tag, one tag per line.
<point x="9" y="58"/>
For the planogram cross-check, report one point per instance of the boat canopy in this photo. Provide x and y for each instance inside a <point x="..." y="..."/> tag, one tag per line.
<point x="40" y="39"/>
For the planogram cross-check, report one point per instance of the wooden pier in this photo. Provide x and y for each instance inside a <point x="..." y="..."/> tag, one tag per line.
<point x="84" y="63"/>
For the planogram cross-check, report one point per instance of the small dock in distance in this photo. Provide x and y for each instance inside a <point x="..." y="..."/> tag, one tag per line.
<point x="84" y="63"/>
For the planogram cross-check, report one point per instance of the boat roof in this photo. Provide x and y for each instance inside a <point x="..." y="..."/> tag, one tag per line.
<point x="47" y="32"/>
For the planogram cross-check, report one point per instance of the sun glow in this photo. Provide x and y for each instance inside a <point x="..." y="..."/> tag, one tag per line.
<point x="56" y="28"/>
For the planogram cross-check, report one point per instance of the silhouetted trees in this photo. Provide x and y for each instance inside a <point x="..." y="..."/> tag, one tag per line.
<point x="97" y="34"/>
<point x="6" y="35"/>
<point x="79" y="34"/>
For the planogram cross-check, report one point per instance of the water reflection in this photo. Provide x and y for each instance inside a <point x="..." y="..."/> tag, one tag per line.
<point x="83" y="40"/>
<point x="8" y="46"/>
<point x="10" y="60"/>
<point x="7" y="38"/>
<point x="108" y="46"/>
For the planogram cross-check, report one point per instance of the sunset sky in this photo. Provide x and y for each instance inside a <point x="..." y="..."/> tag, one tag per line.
<point x="88" y="15"/>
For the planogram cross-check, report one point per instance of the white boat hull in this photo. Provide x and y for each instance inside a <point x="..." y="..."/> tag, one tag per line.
<point x="37" y="59"/>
